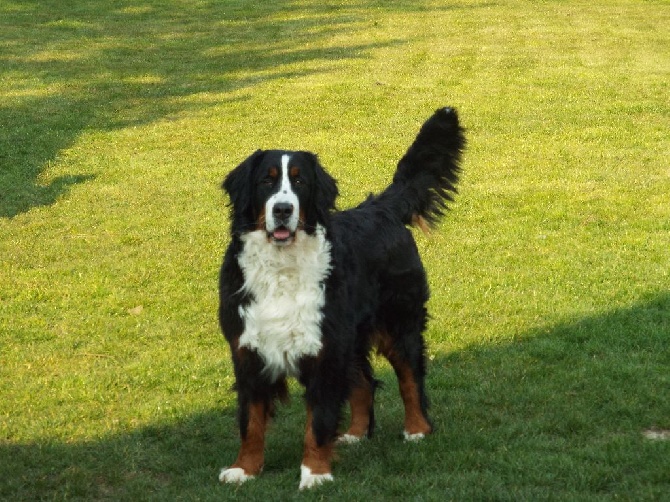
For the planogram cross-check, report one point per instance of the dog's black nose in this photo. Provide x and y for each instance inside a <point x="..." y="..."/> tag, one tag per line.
<point x="282" y="210"/>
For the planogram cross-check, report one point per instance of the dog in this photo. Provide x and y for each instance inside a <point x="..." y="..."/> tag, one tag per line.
<point x="308" y="292"/>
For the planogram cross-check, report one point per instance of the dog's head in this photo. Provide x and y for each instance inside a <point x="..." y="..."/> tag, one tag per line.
<point x="280" y="192"/>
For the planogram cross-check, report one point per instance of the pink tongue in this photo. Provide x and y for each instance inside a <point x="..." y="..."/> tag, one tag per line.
<point x="281" y="234"/>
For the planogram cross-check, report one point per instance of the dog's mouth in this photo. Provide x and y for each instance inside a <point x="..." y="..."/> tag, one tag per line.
<point x="281" y="236"/>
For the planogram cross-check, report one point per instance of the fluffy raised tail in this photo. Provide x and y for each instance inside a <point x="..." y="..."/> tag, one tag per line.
<point x="427" y="174"/>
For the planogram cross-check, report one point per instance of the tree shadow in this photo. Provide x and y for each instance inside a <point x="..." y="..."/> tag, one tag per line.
<point x="563" y="410"/>
<point x="581" y="391"/>
<point x="34" y="130"/>
<point x="91" y="66"/>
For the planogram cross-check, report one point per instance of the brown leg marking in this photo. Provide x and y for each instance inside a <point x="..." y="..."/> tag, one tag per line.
<point x="360" y="403"/>
<point x="316" y="458"/>
<point x="415" y="421"/>
<point x="251" y="455"/>
<point x="315" y="468"/>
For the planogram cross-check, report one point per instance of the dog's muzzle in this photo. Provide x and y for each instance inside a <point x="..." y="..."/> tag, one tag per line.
<point x="282" y="216"/>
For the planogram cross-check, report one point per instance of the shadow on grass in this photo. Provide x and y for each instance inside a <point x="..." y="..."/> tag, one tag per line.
<point x="71" y="67"/>
<point x="561" y="411"/>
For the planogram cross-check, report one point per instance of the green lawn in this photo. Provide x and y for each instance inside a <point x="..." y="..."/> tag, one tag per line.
<point x="549" y="343"/>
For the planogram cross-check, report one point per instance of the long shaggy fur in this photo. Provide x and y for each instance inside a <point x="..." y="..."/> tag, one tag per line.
<point x="426" y="177"/>
<point x="308" y="292"/>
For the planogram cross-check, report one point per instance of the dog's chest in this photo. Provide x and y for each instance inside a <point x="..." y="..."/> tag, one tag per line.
<point x="283" y="320"/>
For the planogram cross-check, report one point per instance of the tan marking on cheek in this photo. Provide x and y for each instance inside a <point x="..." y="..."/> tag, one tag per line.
<point x="260" y="221"/>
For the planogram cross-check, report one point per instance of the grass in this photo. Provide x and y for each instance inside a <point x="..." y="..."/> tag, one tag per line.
<point x="549" y="344"/>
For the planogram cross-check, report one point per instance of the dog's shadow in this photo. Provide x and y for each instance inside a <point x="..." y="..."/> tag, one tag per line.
<point x="485" y="400"/>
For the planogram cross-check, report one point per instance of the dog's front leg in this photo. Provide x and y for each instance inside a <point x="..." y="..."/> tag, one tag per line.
<point x="254" y="419"/>
<point x="316" y="459"/>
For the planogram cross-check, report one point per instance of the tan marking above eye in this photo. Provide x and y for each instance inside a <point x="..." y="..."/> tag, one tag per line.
<point x="273" y="172"/>
<point x="294" y="171"/>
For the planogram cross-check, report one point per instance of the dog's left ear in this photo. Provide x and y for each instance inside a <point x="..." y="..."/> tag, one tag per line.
<point x="324" y="194"/>
<point x="238" y="186"/>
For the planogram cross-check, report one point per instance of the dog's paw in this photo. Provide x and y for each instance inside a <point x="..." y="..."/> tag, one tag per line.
<point x="349" y="439"/>
<point x="309" y="480"/>
<point x="413" y="438"/>
<point x="234" y="475"/>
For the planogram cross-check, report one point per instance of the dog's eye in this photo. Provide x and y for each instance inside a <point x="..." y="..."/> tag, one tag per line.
<point x="268" y="180"/>
<point x="299" y="181"/>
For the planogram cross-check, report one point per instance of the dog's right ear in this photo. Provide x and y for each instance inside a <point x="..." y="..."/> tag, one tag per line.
<point x="238" y="186"/>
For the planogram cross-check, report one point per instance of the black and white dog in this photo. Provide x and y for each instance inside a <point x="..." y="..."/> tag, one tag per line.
<point x="308" y="292"/>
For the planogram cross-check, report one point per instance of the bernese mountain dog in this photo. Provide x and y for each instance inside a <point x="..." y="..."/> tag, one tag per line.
<point x="308" y="292"/>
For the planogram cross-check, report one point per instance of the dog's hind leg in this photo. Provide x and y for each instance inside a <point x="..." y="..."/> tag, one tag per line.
<point x="402" y="319"/>
<point x="408" y="362"/>
<point x="361" y="402"/>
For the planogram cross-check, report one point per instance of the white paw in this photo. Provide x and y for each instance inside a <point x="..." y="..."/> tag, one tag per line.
<point x="234" y="475"/>
<point x="349" y="439"/>
<point x="413" y="438"/>
<point x="309" y="480"/>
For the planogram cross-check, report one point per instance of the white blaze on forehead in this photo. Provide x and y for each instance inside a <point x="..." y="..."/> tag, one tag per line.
<point x="285" y="182"/>
<point x="285" y="195"/>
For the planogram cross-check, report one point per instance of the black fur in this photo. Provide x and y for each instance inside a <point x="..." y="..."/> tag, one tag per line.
<point x="377" y="283"/>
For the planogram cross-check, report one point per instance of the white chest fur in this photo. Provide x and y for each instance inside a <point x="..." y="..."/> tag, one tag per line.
<point x="283" y="321"/>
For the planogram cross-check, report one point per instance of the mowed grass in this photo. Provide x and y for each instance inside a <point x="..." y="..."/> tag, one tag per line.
<point x="549" y="343"/>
